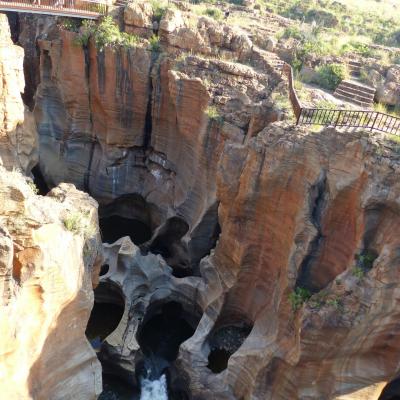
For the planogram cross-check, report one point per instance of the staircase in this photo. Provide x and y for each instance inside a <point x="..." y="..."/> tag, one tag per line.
<point x="121" y="3"/>
<point x="356" y="93"/>
<point x="354" y="67"/>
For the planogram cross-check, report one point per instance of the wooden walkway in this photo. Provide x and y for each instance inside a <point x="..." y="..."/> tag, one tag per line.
<point x="87" y="9"/>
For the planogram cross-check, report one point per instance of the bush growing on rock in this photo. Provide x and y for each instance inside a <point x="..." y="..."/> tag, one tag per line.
<point x="106" y="33"/>
<point x="213" y="13"/>
<point x="298" y="297"/>
<point x="329" y="76"/>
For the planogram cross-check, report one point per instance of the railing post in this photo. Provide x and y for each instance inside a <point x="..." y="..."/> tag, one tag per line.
<point x="337" y="119"/>
<point x="373" y="124"/>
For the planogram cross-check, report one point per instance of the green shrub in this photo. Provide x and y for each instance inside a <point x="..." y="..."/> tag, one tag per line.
<point x="159" y="9"/>
<point x="366" y="259"/>
<point x="70" y="24"/>
<point x="322" y="17"/>
<point x="155" y="43"/>
<point x="106" y="33"/>
<point x="329" y="76"/>
<point x="298" y="297"/>
<point x="213" y="13"/>
<point x="358" y="272"/>
<point x="213" y="114"/>
<point x="293" y="32"/>
<point x="73" y="222"/>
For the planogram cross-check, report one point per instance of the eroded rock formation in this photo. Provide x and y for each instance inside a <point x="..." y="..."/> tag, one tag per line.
<point x="229" y="214"/>
<point x="18" y="137"/>
<point x="46" y="284"/>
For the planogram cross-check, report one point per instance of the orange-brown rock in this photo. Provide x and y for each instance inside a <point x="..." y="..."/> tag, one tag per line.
<point x="46" y="281"/>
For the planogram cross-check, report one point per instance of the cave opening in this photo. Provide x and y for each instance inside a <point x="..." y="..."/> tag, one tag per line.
<point x="166" y="325"/>
<point x="225" y="341"/>
<point x="115" y="227"/>
<point x="161" y="334"/>
<point x="128" y="215"/>
<point x="106" y="314"/>
<point x="39" y="180"/>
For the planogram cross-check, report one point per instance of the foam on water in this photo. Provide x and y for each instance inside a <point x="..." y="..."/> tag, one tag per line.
<point x="154" y="390"/>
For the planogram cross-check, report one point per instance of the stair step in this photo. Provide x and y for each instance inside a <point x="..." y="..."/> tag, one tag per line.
<point x="357" y="86"/>
<point x="354" y="96"/>
<point x="352" y="90"/>
<point x="360" y="103"/>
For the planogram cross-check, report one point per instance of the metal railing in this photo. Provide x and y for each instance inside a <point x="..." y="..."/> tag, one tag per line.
<point x="75" y="8"/>
<point x="365" y="119"/>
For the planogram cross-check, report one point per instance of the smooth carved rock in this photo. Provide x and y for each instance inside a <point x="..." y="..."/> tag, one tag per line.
<point x="278" y="194"/>
<point x="46" y="286"/>
<point x="18" y="137"/>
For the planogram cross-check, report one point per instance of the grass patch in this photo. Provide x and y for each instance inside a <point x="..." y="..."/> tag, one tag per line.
<point x="33" y="187"/>
<point x="213" y="13"/>
<point x="79" y="223"/>
<point x="155" y="43"/>
<point x="298" y="297"/>
<point x="213" y="114"/>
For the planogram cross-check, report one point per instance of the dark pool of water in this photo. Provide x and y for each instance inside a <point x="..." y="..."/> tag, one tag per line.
<point x="117" y="389"/>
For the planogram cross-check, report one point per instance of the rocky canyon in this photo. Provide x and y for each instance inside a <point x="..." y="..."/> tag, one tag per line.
<point x="165" y="228"/>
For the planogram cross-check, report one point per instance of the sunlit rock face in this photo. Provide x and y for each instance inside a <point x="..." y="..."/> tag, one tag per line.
<point x="212" y="217"/>
<point x="18" y="137"/>
<point x="46" y="275"/>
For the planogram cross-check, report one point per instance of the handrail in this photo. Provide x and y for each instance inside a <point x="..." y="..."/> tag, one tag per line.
<point x="77" y="8"/>
<point x="366" y="119"/>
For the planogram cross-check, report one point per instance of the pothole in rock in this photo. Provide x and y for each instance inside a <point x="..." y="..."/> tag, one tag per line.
<point x="391" y="391"/>
<point x="129" y="215"/>
<point x="168" y="243"/>
<point x="223" y="343"/>
<point x="104" y="269"/>
<point x="165" y="327"/>
<point x="106" y="314"/>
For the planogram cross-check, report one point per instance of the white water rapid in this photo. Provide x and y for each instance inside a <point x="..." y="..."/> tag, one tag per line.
<point x="154" y="390"/>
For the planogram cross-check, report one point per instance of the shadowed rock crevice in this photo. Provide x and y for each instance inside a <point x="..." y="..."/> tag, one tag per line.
<point x="107" y="312"/>
<point x="169" y="244"/>
<point x="40" y="181"/>
<point x="204" y="237"/>
<point x="164" y="328"/>
<point x="318" y="196"/>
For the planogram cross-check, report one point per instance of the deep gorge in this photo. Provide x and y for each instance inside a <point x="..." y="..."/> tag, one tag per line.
<point x="208" y="212"/>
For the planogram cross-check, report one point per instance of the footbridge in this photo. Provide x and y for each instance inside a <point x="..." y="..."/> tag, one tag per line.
<point x="87" y="9"/>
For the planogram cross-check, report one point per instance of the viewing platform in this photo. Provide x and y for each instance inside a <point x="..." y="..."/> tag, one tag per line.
<point x="87" y="9"/>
